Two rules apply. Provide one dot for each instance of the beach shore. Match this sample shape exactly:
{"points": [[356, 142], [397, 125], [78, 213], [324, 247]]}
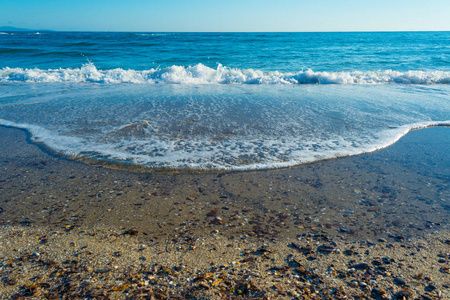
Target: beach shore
{"points": [[373, 225]]}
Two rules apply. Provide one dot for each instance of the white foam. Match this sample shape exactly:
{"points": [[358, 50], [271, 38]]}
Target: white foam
{"points": [[201, 74], [234, 154]]}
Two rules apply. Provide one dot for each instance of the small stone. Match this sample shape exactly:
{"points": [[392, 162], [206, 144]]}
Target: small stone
{"points": [[399, 281], [400, 238], [178, 268], [379, 291], [296, 246], [403, 294], [132, 231], [387, 260], [218, 221], [354, 283], [349, 252], [381, 240], [344, 229], [212, 213], [360, 266], [326, 248], [426, 297]]}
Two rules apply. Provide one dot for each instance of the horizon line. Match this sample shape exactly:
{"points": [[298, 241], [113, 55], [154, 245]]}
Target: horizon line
{"points": [[149, 31]]}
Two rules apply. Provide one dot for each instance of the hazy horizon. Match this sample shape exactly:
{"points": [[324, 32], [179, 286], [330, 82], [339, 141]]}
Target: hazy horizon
{"points": [[356, 31]]}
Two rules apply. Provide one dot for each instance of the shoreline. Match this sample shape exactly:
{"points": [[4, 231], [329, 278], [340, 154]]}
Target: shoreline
{"points": [[394, 196], [136, 168]]}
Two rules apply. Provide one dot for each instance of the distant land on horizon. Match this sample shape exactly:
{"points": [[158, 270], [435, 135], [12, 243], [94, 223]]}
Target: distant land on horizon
{"points": [[11, 28]]}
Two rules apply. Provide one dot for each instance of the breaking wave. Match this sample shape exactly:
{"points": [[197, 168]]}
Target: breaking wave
{"points": [[201, 74]]}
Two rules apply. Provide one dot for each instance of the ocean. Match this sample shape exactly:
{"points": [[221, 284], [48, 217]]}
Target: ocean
{"points": [[222, 101]]}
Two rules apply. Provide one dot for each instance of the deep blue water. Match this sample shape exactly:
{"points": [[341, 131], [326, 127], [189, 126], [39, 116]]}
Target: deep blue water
{"points": [[223, 100], [284, 52]]}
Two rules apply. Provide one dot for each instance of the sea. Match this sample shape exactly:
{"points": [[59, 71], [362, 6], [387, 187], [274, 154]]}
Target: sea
{"points": [[222, 101]]}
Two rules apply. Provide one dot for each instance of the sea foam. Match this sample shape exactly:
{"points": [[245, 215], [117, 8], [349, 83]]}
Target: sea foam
{"points": [[201, 74]]}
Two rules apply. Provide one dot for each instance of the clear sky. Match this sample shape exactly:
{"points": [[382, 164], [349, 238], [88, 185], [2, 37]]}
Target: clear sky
{"points": [[227, 15]]}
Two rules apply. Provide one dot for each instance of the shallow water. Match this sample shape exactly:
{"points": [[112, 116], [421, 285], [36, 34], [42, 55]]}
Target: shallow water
{"points": [[220, 127], [223, 101]]}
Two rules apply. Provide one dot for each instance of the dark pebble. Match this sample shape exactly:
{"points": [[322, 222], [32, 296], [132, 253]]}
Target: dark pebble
{"points": [[178, 268], [296, 246], [377, 263], [430, 287], [387, 260], [399, 281], [360, 266], [403, 294], [400, 238], [326, 248], [348, 252], [378, 291], [132, 231], [442, 260]]}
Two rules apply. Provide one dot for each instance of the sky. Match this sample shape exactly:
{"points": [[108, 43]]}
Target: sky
{"points": [[227, 15]]}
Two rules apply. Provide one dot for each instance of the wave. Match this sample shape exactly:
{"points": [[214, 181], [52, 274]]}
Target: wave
{"points": [[201, 74], [235, 155]]}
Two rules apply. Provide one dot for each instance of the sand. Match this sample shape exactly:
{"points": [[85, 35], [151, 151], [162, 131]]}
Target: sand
{"points": [[89, 230]]}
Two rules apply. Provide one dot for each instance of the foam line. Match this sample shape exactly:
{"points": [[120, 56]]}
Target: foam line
{"points": [[174, 154], [201, 74]]}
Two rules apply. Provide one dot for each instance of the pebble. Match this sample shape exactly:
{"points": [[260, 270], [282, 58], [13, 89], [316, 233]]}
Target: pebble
{"points": [[343, 229], [387, 260], [379, 291], [349, 252], [326, 248], [377, 263], [400, 281], [403, 294], [360, 266]]}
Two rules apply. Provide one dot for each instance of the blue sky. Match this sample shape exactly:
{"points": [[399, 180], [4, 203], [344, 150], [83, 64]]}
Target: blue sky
{"points": [[227, 15]]}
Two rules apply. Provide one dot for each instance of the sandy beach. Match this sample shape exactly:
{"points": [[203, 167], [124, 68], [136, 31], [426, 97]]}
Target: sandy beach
{"points": [[368, 226]]}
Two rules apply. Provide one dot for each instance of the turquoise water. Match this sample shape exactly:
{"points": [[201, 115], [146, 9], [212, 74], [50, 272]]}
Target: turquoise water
{"points": [[223, 100]]}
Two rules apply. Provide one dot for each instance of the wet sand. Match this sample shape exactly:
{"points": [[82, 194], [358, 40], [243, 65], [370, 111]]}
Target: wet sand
{"points": [[276, 233]]}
